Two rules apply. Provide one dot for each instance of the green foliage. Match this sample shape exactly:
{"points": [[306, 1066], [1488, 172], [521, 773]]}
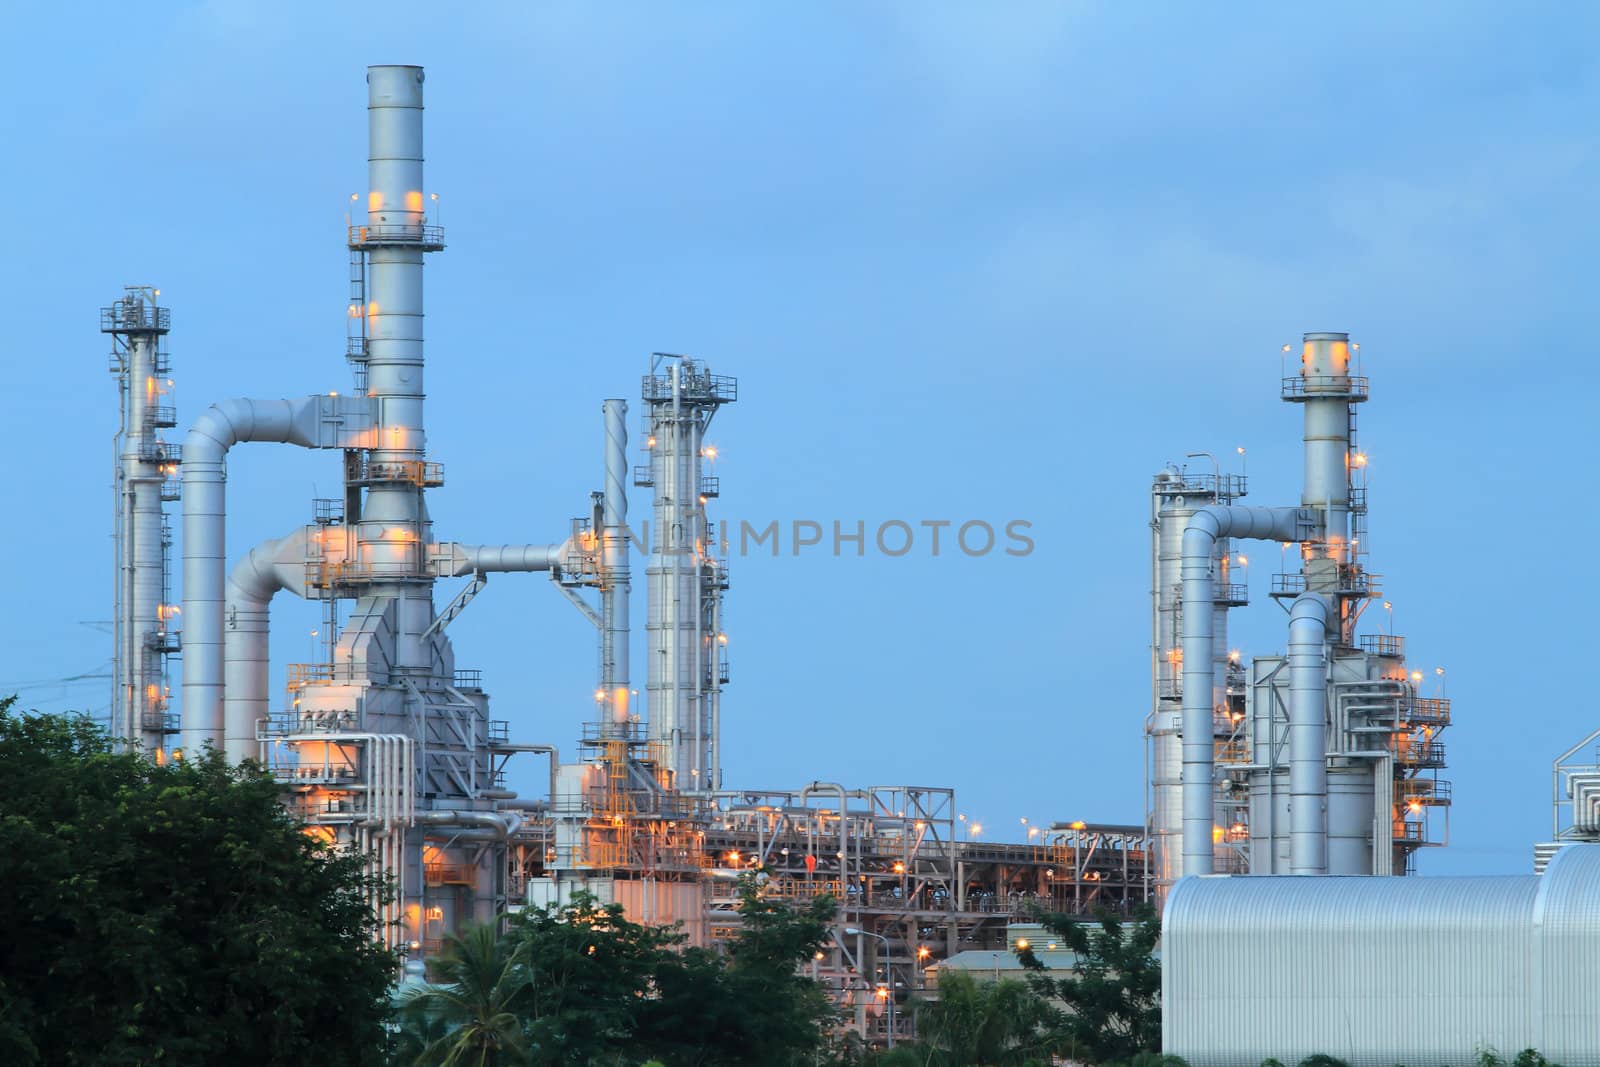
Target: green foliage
{"points": [[589, 971], [1321, 1059], [471, 1015], [974, 1022], [173, 914], [1528, 1057], [579, 984], [1113, 1000]]}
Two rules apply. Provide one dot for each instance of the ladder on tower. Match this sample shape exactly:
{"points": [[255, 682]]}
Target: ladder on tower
{"points": [[356, 335]]}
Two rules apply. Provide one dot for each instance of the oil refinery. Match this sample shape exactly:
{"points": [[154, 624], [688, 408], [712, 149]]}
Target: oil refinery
{"points": [[1321, 758]]}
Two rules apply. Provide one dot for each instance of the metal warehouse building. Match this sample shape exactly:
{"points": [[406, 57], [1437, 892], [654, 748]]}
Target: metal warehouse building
{"points": [[1382, 971]]}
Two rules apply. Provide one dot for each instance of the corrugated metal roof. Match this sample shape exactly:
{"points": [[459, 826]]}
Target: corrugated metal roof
{"points": [[1380, 971]]}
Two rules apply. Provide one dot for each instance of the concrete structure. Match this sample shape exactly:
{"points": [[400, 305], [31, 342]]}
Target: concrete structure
{"points": [[1381, 971]]}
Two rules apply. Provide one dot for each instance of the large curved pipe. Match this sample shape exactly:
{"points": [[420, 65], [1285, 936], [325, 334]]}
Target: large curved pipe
{"points": [[1308, 717], [502, 823], [205, 452], [1200, 537], [264, 570]]}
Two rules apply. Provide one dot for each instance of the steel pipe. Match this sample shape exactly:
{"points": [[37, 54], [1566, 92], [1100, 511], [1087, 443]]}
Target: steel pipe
{"points": [[1310, 619], [205, 452], [614, 575], [269, 567], [1200, 538]]}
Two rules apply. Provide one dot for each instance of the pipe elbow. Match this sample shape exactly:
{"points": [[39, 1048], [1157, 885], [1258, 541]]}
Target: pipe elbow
{"points": [[228, 422], [267, 569], [1310, 609]]}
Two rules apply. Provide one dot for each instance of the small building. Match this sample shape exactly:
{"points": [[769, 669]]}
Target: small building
{"points": [[1381, 971]]}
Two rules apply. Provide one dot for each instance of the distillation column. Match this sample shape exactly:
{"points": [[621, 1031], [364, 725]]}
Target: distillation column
{"points": [[143, 639], [1175, 497], [614, 576], [684, 576]]}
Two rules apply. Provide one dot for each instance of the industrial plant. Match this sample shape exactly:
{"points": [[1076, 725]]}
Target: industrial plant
{"points": [[1322, 759]]}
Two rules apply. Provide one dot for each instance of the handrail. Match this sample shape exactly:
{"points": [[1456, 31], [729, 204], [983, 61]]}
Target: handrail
{"points": [[420, 234], [1315, 386]]}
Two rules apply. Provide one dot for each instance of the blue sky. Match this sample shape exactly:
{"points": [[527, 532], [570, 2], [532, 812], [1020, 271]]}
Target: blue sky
{"points": [[968, 262]]}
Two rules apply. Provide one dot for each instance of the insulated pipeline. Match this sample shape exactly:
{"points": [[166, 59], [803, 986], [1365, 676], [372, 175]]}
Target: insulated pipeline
{"points": [[1200, 538]]}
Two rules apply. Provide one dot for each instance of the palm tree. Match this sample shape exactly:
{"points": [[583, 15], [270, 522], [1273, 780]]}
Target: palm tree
{"points": [[981, 1023], [476, 1003]]}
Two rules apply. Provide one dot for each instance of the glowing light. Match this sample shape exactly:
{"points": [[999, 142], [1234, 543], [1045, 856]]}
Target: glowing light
{"points": [[599, 694], [733, 857], [709, 452], [374, 201], [414, 201], [1022, 944], [722, 639], [650, 442], [1416, 676], [899, 868], [923, 952], [1079, 825]]}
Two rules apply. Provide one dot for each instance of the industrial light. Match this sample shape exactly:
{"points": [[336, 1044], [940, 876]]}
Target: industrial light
{"points": [[1022, 944]]}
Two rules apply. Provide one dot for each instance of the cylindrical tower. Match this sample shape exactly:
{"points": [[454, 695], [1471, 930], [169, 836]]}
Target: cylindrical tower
{"points": [[1328, 392], [684, 575], [393, 524], [614, 575], [1175, 497], [144, 469]]}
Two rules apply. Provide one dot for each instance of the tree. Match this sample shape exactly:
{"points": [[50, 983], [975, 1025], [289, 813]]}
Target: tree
{"points": [[173, 914], [754, 1005], [589, 971], [472, 1014], [982, 1023], [579, 984], [1113, 1000]]}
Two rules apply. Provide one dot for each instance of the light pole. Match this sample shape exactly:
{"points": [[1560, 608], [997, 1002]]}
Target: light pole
{"points": [[888, 974]]}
